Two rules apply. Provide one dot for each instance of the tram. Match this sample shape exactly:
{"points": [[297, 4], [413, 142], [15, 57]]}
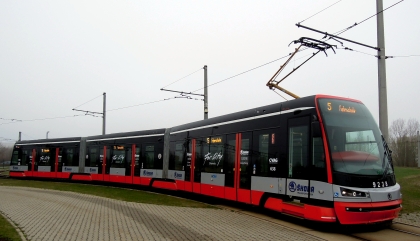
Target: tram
{"points": [[320, 157]]}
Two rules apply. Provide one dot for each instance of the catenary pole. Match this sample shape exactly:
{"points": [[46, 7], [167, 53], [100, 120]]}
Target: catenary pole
{"points": [[418, 149], [383, 99], [206, 107], [104, 115], [20, 135]]}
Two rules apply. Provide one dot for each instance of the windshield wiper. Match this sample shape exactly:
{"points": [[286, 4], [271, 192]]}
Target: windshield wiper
{"points": [[387, 153]]}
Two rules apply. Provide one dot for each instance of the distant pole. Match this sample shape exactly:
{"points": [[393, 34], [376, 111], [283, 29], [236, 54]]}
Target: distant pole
{"points": [[418, 149], [47, 133], [206, 106], [104, 115], [383, 99], [20, 135]]}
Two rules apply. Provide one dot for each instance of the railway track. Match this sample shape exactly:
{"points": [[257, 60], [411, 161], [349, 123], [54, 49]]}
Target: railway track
{"points": [[394, 231]]}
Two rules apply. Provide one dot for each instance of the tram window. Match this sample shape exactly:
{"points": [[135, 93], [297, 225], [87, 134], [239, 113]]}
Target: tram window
{"points": [[179, 154], [199, 160], [45, 157], [149, 157], [318, 171], [15, 158], [262, 158], [118, 156], [69, 156], [245, 168], [362, 141], [137, 162], [264, 153], [229, 164], [213, 154], [298, 151], [93, 157], [26, 157]]}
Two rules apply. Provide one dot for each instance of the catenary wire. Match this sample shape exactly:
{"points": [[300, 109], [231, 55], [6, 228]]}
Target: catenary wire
{"points": [[320, 11], [356, 24], [182, 78], [48, 118], [88, 101], [244, 72]]}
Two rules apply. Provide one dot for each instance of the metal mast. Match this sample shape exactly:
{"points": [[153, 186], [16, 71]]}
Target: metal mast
{"points": [[383, 99], [206, 96], [104, 115]]}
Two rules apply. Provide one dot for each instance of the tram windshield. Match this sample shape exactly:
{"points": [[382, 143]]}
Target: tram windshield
{"points": [[354, 139]]}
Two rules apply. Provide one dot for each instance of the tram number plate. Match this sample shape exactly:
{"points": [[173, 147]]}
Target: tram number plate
{"points": [[380, 184]]}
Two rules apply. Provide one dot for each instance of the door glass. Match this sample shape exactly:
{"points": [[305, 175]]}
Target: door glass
{"points": [[298, 151], [213, 154], [128, 158], [118, 157], [199, 159], [230, 150], [245, 168], [319, 169], [149, 157], [137, 162]]}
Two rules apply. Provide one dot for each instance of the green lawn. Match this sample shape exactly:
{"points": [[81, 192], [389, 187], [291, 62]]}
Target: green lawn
{"points": [[7, 231], [409, 179], [130, 195]]}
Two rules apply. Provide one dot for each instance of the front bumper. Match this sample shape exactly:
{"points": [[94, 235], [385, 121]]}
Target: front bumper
{"points": [[365, 213]]}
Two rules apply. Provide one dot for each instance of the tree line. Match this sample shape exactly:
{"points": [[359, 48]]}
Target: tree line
{"points": [[403, 142], [5, 152]]}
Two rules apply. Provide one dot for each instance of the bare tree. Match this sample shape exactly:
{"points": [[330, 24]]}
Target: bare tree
{"points": [[403, 141]]}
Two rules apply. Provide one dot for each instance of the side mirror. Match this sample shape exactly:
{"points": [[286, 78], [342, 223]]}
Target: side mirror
{"points": [[316, 129]]}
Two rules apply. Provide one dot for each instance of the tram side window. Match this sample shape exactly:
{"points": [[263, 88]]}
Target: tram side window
{"points": [[319, 169], [70, 157], [149, 157], [16, 158], [179, 154], [262, 158], [45, 157], [93, 157], [137, 162], [298, 151], [213, 154], [26, 157], [265, 154], [118, 157]]}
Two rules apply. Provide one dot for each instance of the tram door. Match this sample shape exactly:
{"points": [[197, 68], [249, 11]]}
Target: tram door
{"points": [[231, 166], [244, 170], [187, 164], [298, 158], [196, 164]]}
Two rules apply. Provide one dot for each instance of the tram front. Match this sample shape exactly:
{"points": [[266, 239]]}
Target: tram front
{"points": [[361, 170]]}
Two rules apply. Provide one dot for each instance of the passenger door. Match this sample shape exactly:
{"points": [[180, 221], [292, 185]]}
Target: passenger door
{"points": [[298, 157]]}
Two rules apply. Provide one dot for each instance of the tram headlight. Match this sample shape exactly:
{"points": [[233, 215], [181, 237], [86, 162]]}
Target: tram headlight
{"points": [[352, 193]]}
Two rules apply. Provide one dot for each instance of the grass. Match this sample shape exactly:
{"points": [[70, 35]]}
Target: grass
{"points": [[123, 194], [409, 179], [7, 231]]}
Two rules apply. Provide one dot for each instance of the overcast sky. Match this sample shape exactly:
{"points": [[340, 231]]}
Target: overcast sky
{"points": [[57, 55]]}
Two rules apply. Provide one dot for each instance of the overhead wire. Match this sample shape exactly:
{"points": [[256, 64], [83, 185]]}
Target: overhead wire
{"points": [[320, 11], [41, 119], [244, 72], [89, 101], [183, 77], [357, 24]]}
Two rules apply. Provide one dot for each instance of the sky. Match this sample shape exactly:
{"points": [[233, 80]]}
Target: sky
{"points": [[58, 55]]}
